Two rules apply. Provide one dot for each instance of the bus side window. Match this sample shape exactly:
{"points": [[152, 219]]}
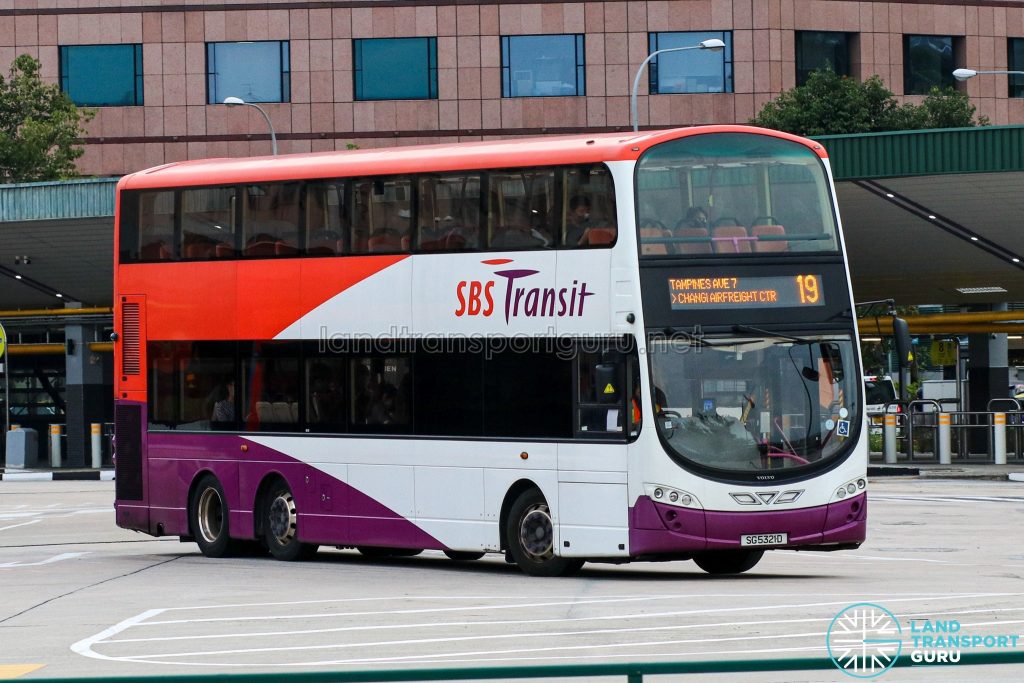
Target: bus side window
{"points": [[327, 219], [601, 394]]}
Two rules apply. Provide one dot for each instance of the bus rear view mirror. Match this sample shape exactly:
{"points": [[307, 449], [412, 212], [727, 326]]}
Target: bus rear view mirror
{"points": [[606, 375]]}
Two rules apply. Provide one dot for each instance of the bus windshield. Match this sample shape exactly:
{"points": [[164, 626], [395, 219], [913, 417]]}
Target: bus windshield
{"points": [[753, 403], [733, 193]]}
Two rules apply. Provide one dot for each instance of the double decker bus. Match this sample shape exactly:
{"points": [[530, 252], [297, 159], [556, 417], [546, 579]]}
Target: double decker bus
{"points": [[605, 348]]}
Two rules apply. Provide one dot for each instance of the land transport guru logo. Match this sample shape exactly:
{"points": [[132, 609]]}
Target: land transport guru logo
{"points": [[518, 299], [865, 640]]}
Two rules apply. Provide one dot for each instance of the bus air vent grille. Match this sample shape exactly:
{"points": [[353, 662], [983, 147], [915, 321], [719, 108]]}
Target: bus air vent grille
{"points": [[128, 444], [131, 345]]}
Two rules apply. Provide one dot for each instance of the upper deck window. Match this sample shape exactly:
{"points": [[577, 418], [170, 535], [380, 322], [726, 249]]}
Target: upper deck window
{"points": [[395, 68], [102, 75], [542, 66], [690, 71], [733, 193], [253, 71]]}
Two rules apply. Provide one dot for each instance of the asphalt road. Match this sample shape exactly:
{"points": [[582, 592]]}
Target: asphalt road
{"points": [[80, 597]]}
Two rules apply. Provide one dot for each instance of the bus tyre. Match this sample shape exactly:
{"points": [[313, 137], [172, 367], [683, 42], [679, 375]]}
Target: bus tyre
{"points": [[728, 561], [208, 517], [530, 535], [280, 525], [463, 555]]}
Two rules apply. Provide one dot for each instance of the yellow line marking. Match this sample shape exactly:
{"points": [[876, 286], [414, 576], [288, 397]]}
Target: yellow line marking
{"points": [[9, 671]]}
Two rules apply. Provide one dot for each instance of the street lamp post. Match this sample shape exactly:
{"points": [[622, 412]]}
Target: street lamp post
{"points": [[964, 74], [713, 44], [236, 101]]}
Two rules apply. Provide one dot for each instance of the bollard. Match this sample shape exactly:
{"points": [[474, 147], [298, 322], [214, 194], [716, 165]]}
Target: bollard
{"points": [[889, 438], [97, 445], [54, 445], [945, 440], [999, 437]]}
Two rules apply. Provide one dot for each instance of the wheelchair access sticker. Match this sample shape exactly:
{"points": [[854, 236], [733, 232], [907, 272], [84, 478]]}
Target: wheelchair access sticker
{"points": [[844, 428]]}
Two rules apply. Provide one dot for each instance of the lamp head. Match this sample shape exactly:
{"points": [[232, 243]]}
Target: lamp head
{"points": [[233, 101], [712, 44], [964, 74]]}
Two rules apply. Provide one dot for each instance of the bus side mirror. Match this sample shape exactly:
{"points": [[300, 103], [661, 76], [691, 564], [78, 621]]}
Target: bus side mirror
{"points": [[606, 376], [904, 347]]}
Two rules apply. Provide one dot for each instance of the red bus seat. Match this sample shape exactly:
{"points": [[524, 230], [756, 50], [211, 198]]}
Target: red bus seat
{"points": [[730, 239], [598, 236], [696, 247], [769, 245], [656, 248], [384, 242]]}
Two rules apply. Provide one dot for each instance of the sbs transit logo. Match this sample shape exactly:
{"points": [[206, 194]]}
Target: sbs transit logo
{"points": [[518, 299]]}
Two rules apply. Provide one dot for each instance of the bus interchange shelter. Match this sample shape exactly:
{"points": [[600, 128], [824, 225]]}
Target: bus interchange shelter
{"points": [[930, 217]]}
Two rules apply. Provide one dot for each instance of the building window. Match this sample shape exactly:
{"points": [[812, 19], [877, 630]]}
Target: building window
{"points": [[395, 68], [690, 71], [102, 75], [1015, 62], [821, 50], [253, 71], [542, 66], [927, 63]]}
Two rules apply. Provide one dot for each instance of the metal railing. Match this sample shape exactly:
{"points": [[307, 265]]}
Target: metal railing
{"points": [[973, 436], [633, 672]]}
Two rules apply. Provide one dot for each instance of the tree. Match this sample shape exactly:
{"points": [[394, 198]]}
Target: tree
{"points": [[829, 104], [40, 126]]}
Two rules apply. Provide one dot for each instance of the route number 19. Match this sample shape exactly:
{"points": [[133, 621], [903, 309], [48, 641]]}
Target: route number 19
{"points": [[810, 293]]}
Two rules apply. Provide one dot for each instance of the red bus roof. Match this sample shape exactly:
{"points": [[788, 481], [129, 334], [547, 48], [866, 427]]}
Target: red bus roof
{"points": [[461, 156]]}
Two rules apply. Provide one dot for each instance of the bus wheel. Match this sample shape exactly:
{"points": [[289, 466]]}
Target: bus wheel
{"points": [[376, 551], [530, 535], [463, 555], [208, 517], [280, 525], [728, 561]]}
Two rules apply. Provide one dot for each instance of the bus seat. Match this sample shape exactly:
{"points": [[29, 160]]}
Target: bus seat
{"points": [[656, 248], [384, 242], [224, 250], [730, 239], [199, 250], [599, 236], [281, 411], [264, 411], [285, 249], [697, 246], [260, 245], [769, 245], [294, 408], [155, 251], [406, 242]]}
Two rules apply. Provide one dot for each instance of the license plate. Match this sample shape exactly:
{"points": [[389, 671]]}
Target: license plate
{"points": [[764, 539]]}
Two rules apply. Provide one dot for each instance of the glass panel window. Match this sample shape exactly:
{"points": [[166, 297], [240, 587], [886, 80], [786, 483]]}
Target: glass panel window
{"points": [[156, 226], [589, 207], [690, 71], [270, 379], [448, 212], [270, 219], [821, 50], [542, 66], [927, 62], [102, 75], [208, 223], [327, 218], [527, 391], [253, 71], [521, 209], [733, 193], [192, 386], [383, 214], [381, 393], [395, 68], [1015, 62], [325, 393], [755, 403]]}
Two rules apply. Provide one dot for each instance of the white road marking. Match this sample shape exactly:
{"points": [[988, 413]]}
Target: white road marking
{"points": [[15, 526], [49, 560], [108, 637]]}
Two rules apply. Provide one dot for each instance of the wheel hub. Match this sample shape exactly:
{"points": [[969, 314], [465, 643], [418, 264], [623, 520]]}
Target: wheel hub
{"points": [[281, 518], [536, 534], [211, 515]]}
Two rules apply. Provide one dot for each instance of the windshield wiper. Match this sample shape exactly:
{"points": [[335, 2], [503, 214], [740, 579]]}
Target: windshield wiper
{"points": [[747, 329]]}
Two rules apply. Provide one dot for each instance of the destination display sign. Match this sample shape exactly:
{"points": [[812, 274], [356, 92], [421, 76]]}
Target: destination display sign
{"points": [[776, 291]]}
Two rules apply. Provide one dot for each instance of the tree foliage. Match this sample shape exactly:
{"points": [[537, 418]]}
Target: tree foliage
{"points": [[40, 126], [829, 104]]}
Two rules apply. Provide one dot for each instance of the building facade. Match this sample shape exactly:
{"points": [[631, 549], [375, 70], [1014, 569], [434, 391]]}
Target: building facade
{"points": [[388, 72]]}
